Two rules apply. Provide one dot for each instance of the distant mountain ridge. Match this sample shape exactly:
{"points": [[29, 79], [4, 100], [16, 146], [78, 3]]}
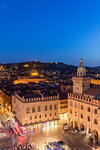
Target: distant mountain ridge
{"points": [[53, 66]]}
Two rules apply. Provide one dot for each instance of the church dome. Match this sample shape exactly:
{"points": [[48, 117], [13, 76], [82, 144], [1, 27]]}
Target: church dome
{"points": [[81, 71], [81, 68]]}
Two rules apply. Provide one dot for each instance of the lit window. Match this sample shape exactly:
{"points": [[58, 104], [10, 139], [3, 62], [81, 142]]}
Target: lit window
{"points": [[30, 118], [25, 119], [75, 113], [28, 111], [76, 105]]}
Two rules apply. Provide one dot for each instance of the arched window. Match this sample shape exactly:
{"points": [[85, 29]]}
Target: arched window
{"points": [[81, 106], [33, 110], [70, 111], [81, 115], [95, 111], [55, 106], [27, 110], [71, 103], [38, 109], [50, 107], [75, 113], [88, 118], [45, 108], [88, 109], [76, 105]]}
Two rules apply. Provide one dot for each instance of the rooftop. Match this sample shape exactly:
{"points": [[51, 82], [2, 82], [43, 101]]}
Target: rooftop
{"points": [[93, 91]]}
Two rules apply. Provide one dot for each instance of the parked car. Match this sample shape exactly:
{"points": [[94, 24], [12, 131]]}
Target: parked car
{"points": [[73, 131], [66, 126]]}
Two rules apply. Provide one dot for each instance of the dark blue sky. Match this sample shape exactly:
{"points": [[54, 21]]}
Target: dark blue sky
{"points": [[50, 30]]}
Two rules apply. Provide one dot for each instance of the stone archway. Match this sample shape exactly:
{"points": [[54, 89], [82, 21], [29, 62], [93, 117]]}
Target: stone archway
{"points": [[82, 127], [95, 135], [71, 123], [88, 130], [76, 124]]}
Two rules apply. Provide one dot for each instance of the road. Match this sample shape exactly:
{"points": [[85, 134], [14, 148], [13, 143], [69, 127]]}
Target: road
{"points": [[42, 136]]}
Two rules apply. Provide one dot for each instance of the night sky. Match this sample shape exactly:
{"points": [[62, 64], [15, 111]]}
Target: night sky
{"points": [[50, 31]]}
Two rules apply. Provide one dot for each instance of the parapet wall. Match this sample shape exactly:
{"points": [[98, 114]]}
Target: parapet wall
{"points": [[84, 99], [35, 99]]}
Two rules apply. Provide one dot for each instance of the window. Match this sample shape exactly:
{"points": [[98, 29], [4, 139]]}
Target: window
{"points": [[55, 114], [76, 105], [28, 111], [95, 121], [45, 108], [81, 106], [50, 114], [33, 110], [88, 118], [30, 118], [35, 117], [38, 109], [81, 115], [45, 115], [25, 119], [75, 113], [71, 103], [50, 107], [88, 109], [95, 111], [40, 116], [70, 111], [55, 107]]}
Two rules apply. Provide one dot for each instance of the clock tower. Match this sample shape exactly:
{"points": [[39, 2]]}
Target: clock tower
{"points": [[81, 82]]}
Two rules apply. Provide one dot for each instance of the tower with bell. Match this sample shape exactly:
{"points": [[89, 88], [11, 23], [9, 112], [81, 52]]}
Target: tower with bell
{"points": [[81, 71], [81, 82]]}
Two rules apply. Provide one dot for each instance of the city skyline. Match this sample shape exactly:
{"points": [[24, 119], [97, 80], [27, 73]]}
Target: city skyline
{"points": [[49, 74], [58, 31]]}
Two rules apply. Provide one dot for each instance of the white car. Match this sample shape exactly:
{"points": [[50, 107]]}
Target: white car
{"points": [[75, 131], [66, 127]]}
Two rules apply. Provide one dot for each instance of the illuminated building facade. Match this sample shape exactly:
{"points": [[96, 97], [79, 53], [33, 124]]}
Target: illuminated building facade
{"points": [[36, 111], [65, 88], [63, 109], [27, 80], [5, 100], [84, 104]]}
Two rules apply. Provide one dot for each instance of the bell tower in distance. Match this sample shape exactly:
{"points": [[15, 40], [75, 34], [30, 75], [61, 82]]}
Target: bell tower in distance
{"points": [[81, 82]]}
